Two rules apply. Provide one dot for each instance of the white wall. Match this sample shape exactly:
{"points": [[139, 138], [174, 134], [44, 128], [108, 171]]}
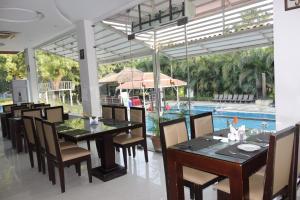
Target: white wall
{"points": [[287, 65]]}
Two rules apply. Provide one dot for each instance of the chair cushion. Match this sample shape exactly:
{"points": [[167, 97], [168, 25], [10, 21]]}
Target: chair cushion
{"points": [[126, 139], [256, 186], [197, 176], [73, 153], [66, 145]]}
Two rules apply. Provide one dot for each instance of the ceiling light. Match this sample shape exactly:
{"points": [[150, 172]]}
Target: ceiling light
{"points": [[19, 15]]}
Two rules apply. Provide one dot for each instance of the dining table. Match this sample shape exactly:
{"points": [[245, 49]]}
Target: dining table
{"points": [[80, 129], [216, 154]]}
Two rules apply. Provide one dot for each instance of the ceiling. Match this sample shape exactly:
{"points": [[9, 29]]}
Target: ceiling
{"points": [[38, 21]]}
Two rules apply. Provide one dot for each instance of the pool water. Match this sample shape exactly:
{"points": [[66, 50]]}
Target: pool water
{"points": [[253, 120]]}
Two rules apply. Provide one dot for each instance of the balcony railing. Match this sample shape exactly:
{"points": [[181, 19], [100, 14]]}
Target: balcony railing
{"points": [[60, 86]]}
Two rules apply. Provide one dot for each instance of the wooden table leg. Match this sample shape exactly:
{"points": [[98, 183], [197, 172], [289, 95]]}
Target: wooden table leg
{"points": [[109, 169], [174, 179], [239, 186]]}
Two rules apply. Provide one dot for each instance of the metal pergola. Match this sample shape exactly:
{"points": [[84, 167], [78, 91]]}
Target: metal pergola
{"points": [[219, 29]]}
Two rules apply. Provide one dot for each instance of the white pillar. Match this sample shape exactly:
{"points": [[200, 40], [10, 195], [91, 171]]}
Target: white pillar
{"points": [[88, 68], [31, 75], [287, 62]]}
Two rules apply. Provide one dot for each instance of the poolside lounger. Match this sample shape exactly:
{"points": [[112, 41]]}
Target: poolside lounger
{"points": [[234, 98], [250, 99], [221, 98], [229, 98], [216, 97], [245, 98], [225, 97], [240, 98]]}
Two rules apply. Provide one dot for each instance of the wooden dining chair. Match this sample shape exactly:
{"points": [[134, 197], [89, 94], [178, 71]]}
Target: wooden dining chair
{"points": [[32, 113], [201, 124], [280, 176], [29, 105], [7, 108], [120, 114], [32, 140], [17, 110], [107, 112], [62, 158], [54, 114], [174, 132], [136, 137], [41, 144]]}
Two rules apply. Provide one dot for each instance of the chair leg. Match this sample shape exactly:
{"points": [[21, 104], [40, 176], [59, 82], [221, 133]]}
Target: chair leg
{"points": [[192, 191], [78, 168], [133, 151], [43, 164], [52, 169], [129, 151], [62, 177], [145, 151], [198, 192], [88, 145], [39, 161], [222, 195], [49, 169], [89, 168], [31, 157], [125, 156]]}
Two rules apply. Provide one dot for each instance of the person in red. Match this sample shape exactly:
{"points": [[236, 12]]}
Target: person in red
{"points": [[167, 107]]}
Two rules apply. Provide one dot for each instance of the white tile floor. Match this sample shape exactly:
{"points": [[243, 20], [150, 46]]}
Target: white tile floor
{"points": [[143, 181]]}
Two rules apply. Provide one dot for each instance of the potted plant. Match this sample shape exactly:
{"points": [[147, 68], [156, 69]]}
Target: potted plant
{"points": [[156, 134]]}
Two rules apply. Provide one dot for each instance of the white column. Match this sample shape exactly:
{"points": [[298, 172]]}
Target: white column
{"points": [[88, 68], [31, 75], [287, 65]]}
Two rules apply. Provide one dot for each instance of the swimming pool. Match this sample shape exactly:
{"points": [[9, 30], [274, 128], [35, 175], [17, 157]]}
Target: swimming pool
{"points": [[251, 120]]}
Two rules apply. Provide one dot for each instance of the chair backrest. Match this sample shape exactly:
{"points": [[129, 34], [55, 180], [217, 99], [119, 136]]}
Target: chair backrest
{"points": [[107, 112], [120, 113], [235, 96], [7, 108], [54, 114], [51, 140], [171, 133], [17, 110], [251, 97], [32, 113], [201, 124], [28, 104], [138, 115], [221, 96], [246, 96], [40, 132], [280, 167], [216, 96], [240, 97], [29, 129], [229, 97], [37, 105]]}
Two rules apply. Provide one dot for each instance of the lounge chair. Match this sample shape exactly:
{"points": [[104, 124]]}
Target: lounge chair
{"points": [[225, 97], [250, 99], [229, 98], [245, 98], [216, 97], [221, 97], [240, 98], [234, 98]]}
